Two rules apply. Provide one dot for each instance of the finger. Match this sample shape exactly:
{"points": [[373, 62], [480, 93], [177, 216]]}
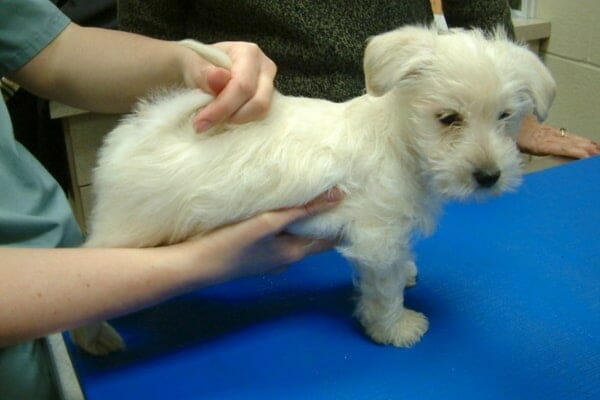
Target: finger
{"points": [[293, 248], [562, 148], [569, 145], [574, 152], [260, 103], [227, 102], [245, 73], [217, 79], [585, 145], [247, 96], [256, 107]]}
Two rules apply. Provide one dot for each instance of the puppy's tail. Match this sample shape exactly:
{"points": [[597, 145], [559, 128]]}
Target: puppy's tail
{"points": [[209, 53], [166, 108], [169, 107]]}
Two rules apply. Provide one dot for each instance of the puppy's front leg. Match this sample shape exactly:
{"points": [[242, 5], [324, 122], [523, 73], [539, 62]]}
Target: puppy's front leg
{"points": [[382, 277], [381, 306]]}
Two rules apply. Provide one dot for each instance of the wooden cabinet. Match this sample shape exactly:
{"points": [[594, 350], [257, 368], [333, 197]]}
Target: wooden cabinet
{"points": [[84, 132]]}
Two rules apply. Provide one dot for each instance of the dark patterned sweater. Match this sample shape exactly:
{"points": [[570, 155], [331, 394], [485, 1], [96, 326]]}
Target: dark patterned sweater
{"points": [[317, 45]]}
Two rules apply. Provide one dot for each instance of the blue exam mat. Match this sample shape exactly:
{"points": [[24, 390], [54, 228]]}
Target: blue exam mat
{"points": [[511, 288]]}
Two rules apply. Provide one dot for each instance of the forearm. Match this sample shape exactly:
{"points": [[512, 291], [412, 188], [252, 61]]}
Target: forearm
{"points": [[108, 71], [46, 290], [101, 70]]}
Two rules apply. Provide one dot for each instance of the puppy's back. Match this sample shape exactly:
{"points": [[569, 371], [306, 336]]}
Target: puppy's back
{"points": [[158, 181]]}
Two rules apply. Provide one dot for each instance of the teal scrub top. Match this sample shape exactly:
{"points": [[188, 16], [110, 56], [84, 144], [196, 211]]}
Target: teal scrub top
{"points": [[34, 211]]}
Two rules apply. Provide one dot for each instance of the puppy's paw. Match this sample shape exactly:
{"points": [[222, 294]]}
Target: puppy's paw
{"points": [[411, 274], [405, 332], [98, 339]]}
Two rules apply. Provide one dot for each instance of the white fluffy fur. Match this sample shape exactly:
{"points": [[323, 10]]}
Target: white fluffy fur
{"points": [[159, 182]]}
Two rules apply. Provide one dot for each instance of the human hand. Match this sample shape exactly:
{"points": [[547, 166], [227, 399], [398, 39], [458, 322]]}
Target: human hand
{"points": [[542, 139], [243, 93], [257, 245]]}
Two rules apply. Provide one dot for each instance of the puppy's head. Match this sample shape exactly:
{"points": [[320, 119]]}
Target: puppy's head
{"points": [[463, 94]]}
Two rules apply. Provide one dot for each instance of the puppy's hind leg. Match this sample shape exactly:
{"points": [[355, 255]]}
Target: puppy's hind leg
{"points": [[411, 273], [97, 339]]}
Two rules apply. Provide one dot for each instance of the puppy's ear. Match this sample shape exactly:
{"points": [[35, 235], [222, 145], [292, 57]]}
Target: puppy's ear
{"points": [[526, 68], [542, 87], [396, 56]]}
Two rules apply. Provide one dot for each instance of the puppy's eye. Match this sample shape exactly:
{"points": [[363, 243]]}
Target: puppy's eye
{"points": [[504, 115], [453, 119]]}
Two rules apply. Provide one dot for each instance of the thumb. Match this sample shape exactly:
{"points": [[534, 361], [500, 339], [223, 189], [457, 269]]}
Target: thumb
{"points": [[274, 222]]}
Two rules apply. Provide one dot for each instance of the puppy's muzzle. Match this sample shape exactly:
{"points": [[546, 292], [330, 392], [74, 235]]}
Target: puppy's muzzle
{"points": [[485, 178]]}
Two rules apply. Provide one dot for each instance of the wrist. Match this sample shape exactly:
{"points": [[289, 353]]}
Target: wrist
{"points": [[189, 264]]}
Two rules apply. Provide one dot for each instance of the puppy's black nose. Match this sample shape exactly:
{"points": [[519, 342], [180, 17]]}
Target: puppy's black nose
{"points": [[486, 178]]}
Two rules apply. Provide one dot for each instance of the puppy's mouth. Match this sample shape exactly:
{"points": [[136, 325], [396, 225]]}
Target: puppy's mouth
{"points": [[481, 186], [476, 183], [493, 182]]}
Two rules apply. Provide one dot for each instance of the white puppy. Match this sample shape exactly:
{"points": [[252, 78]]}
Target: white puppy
{"points": [[438, 121]]}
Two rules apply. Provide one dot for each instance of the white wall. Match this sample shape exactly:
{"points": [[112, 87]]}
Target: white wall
{"points": [[573, 56]]}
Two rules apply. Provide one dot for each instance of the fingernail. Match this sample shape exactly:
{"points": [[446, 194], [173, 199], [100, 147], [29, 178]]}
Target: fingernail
{"points": [[203, 125], [334, 195]]}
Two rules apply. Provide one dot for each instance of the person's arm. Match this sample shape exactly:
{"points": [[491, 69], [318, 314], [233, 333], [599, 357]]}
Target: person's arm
{"points": [[107, 71], [48, 290]]}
